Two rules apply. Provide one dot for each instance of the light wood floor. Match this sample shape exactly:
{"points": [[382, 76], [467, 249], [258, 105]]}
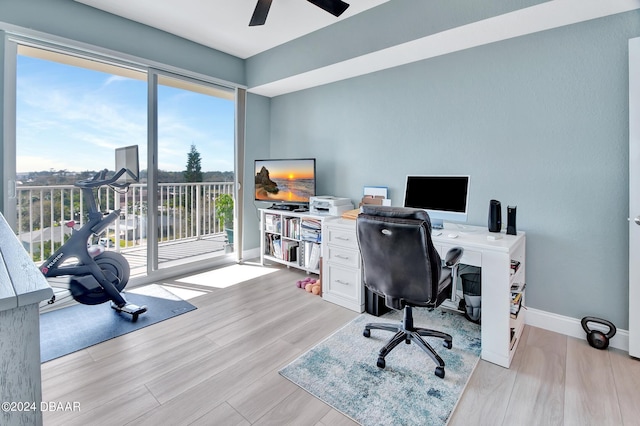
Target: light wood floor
{"points": [[218, 365]]}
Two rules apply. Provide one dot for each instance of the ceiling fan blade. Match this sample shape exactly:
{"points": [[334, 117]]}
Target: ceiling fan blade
{"points": [[260, 13], [334, 7]]}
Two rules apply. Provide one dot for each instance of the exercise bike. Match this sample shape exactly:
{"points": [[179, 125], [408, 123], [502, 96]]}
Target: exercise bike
{"points": [[96, 276]]}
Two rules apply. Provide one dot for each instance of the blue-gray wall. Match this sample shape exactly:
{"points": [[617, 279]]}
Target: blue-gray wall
{"points": [[256, 147], [539, 121]]}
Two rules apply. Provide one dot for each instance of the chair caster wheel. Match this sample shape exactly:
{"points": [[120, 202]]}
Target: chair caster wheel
{"points": [[366, 333], [440, 372], [447, 344], [381, 363]]}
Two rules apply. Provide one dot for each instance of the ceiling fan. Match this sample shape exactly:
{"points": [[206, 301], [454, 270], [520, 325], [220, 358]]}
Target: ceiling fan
{"points": [[334, 7]]}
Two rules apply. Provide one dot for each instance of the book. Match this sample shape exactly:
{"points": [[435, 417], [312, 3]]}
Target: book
{"points": [[277, 248], [314, 257], [289, 250], [516, 298], [291, 227], [517, 287], [272, 223], [310, 230], [515, 309], [515, 265]]}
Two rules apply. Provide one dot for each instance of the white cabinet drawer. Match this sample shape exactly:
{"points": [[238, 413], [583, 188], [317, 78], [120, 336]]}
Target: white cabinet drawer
{"points": [[340, 237], [342, 256], [342, 282]]}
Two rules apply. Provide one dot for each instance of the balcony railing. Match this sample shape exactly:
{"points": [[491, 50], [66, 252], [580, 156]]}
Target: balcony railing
{"points": [[186, 211]]}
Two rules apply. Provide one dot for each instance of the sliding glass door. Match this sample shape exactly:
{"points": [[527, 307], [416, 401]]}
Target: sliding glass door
{"points": [[72, 113], [195, 170], [73, 110]]}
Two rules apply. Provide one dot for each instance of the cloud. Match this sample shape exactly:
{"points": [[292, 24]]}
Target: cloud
{"points": [[75, 120], [115, 79]]}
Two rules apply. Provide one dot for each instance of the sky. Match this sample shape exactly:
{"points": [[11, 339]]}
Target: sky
{"points": [[288, 169], [71, 118]]}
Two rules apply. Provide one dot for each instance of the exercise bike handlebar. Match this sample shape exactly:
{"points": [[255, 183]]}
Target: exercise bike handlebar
{"points": [[100, 179]]}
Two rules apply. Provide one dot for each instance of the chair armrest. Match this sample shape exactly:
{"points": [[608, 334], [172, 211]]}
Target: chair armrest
{"points": [[453, 257]]}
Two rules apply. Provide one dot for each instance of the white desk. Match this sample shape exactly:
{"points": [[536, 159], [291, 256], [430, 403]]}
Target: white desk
{"points": [[493, 257]]}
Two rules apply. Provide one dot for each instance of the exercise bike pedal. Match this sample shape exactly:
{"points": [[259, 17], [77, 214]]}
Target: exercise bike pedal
{"points": [[131, 309]]}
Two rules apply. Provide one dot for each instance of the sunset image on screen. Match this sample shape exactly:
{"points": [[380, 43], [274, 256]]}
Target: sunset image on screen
{"points": [[285, 180]]}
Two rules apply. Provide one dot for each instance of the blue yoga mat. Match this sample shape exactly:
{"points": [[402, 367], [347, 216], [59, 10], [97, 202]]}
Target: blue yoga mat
{"points": [[77, 327]]}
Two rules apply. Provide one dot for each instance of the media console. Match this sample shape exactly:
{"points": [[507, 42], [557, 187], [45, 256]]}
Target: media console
{"points": [[500, 333]]}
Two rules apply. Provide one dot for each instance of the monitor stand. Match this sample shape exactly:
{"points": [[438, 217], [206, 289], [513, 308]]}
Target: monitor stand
{"points": [[465, 229], [437, 223]]}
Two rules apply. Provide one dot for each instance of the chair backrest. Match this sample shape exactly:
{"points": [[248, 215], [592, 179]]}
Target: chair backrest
{"points": [[398, 256]]}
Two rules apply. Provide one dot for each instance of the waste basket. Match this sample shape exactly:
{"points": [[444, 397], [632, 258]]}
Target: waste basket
{"points": [[471, 290]]}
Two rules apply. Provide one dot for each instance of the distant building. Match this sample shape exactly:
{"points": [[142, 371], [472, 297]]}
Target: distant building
{"points": [[32, 241]]}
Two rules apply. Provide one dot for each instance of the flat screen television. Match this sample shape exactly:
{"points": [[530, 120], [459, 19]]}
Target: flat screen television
{"points": [[285, 181], [443, 197]]}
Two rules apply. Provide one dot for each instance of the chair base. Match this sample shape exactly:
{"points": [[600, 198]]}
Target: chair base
{"points": [[406, 332]]}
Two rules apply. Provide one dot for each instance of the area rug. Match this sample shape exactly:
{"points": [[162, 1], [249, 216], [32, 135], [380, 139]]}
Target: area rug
{"points": [[77, 327], [342, 371]]}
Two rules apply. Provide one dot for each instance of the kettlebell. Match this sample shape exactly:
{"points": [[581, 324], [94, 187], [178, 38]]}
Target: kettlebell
{"points": [[596, 338]]}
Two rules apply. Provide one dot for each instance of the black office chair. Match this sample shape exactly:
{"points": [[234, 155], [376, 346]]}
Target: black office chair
{"points": [[401, 264]]}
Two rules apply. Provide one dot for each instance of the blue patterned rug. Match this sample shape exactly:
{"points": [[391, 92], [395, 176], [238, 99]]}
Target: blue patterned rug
{"points": [[342, 371]]}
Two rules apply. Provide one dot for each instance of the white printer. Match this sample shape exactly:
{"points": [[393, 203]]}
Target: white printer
{"points": [[326, 204]]}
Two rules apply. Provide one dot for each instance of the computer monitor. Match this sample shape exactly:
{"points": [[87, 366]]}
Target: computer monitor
{"points": [[127, 158], [443, 197]]}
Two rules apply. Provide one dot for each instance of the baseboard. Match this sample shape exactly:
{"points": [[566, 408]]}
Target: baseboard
{"points": [[251, 253], [572, 327]]}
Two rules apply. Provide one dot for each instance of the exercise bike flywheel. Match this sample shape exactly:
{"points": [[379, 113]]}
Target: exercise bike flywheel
{"points": [[86, 289]]}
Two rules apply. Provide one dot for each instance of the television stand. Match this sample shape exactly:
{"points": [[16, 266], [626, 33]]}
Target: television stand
{"points": [[291, 238]]}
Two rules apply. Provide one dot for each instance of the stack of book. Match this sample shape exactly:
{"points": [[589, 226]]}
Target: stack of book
{"points": [[515, 265], [289, 250], [272, 223], [291, 227], [517, 290], [273, 245], [311, 230]]}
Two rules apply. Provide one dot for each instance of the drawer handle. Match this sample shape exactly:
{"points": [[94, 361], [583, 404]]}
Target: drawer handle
{"points": [[343, 238], [342, 282], [340, 256]]}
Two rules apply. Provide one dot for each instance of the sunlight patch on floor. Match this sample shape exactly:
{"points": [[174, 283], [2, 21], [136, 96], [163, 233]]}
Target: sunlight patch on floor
{"points": [[227, 276], [156, 290], [174, 292], [183, 293]]}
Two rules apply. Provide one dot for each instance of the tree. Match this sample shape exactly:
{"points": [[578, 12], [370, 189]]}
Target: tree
{"points": [[194, 169]]}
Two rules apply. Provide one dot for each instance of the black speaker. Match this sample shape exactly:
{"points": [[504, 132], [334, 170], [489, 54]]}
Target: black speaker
{"points": [[511, 220], [495, 216]]}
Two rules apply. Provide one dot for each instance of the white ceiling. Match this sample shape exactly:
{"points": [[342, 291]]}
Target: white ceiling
{"points": [[224, 24]]}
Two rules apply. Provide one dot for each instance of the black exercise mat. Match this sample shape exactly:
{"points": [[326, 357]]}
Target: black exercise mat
{"points": [[77, 327]]}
